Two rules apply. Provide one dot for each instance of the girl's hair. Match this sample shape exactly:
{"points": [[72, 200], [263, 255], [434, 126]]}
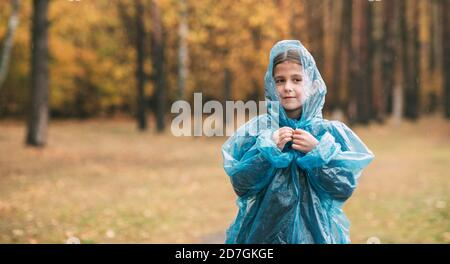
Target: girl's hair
{"points": [[288, 55]]}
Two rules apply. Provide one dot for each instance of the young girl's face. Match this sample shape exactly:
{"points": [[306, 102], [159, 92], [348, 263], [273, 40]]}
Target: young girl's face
{"points": [[288, 80]]}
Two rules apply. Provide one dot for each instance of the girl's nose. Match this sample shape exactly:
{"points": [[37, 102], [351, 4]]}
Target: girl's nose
{"points": [[288, 87]]}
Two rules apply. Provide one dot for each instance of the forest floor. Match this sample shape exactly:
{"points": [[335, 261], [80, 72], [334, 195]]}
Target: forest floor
{"points": [[102, 181]]}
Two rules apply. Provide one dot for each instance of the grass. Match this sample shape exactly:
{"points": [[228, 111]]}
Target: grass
{"points": [[403, 195], [104, 182]]}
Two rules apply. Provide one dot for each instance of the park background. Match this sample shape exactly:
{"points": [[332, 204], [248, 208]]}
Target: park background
{"points": [[86, 151]]}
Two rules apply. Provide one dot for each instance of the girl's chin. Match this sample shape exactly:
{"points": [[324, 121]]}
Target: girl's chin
{"points": [[289, 107], [291, 110]]}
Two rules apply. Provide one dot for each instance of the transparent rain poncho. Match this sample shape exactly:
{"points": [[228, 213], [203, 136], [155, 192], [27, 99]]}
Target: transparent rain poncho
{"points": [[288, 196]]}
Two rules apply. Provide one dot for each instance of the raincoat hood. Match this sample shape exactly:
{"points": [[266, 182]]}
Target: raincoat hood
{"points": [[314, 88]]}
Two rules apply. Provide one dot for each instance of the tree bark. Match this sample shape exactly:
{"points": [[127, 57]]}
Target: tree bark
{"points": [[340, 29], [140, 57], [9, 41], [371, 57], [38, 110], [388, 68], [411, 60], [376, 62], [183, 30], [256, 41], [360, 99], [346, 54], [158, 65], [446, 51], [397, 92], [315, 30]]}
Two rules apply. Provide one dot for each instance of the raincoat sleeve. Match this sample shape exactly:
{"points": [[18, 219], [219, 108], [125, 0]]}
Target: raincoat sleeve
{"points": [[335, 164], [251, 161]]}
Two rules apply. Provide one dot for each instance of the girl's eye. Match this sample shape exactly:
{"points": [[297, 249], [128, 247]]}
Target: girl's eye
{"points": [[297, 80], [279, 81]]}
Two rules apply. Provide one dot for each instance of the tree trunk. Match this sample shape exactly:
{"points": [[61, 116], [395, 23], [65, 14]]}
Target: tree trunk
{"points": [[411, 61], [360, 99], [227, 96], [38, 110], [388, 64], [337, 56], [371, 57], [140, 74], [158, 65], [182, 50], [426, 95], [328, 42], [227, 84], [314, 11], [9, 41], [436, 62], [401, 70], [346, 55], [256, 41], [376, 62], [446, 50]]}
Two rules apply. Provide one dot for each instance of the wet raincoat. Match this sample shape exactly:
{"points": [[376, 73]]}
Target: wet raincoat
{"points": [[288, 196]]}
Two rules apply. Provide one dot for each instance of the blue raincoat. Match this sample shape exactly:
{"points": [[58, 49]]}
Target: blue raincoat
{"points": [[288, 196]]}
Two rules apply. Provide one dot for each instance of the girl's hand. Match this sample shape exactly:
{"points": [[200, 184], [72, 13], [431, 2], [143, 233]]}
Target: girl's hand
{"points": [[282, 136], [303, 141]]}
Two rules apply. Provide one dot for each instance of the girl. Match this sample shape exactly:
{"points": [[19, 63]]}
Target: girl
{"points": [[292, 181]]}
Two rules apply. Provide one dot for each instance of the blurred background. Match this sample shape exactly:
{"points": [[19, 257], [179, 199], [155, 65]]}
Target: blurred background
{"points": [[86, 152]]}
